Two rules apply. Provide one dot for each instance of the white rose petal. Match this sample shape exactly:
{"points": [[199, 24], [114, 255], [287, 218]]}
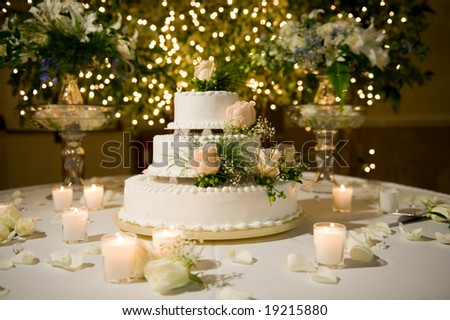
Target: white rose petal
{"points": [[144, 254], [39, 203], [380, 229], [299, 263], [442, 238], [411, 235], [5, 263], [25, 257], [165, 275], [229, 293], [324, 275], [92, 251], [17, 201], [241, 256], [16, 194], [62, 259], [361, 253]]}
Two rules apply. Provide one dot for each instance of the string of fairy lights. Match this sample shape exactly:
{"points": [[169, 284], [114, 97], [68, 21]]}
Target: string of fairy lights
{"points": [[185, 36]]}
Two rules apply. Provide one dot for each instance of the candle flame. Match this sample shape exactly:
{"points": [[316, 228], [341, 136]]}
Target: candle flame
{"points": [[342, 187], [119, 238], [61, 188]]}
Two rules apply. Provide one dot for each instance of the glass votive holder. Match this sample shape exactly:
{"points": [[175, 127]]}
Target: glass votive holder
{"points": [[329, 242], [164, 237], [62, 197], [93, 196], [342, 198], [388, 198], [74, 223], [118, 252]]}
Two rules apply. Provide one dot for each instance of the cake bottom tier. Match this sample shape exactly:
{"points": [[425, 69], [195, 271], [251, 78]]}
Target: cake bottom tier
{"points": [[149, 202]]}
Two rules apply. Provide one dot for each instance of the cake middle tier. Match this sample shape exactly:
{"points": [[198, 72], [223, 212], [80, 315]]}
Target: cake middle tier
{"points": [[171, 153]]}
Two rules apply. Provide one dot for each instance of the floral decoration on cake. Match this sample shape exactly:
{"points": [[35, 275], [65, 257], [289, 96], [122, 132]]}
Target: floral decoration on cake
{"points": [[228, 77]]}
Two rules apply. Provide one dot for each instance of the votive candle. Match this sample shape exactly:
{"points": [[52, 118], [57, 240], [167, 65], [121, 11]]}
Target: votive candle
{"points": [[93, 196], [388, 200], [62, 197], [329, 241], [342, 198], [164, 237], [118, 252], [74, 224]]}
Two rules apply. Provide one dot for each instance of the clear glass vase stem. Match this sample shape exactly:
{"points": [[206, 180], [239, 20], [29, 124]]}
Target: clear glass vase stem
{"points": [[73, 160], [323, 180]]}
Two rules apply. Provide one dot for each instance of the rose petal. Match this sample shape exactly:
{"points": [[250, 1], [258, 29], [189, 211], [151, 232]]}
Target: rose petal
{"points": [[355, 239], [4, 292], [380, 229], [411, 235], [324, 275], [62, 259], [25, 257], [16, 194], [144, 254], [300, 263], [39, 203], [17, 201], [241, 256], [5, 263], [229, 293], [92, 251], [442, 238], [360, 253]]}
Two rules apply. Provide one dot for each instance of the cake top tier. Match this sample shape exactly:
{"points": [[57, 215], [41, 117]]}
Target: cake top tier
{"points": [[201, 110]]}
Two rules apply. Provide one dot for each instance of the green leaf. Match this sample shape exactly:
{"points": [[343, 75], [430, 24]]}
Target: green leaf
{"points": [[339, 74]]}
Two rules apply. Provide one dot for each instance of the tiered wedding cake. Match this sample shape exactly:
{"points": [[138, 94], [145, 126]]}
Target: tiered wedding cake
{"points": [[190, 183]]}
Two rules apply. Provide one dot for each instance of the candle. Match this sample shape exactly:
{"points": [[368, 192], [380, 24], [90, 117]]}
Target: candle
{"points": [[74, 224], [93, 196], [62, 197], [118, 252], [388, 200], [329, 240], [342, 198], [164, 237]]}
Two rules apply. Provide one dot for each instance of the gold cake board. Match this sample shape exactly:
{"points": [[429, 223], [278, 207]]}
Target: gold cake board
{"points": [[219, 235]]}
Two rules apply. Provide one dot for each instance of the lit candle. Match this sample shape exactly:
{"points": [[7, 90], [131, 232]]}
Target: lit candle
{"points": [[342, 198], [74, 224], [62, 197], [164, 237], [329, 240], [118, 252], [93, 196], [388, 200]]}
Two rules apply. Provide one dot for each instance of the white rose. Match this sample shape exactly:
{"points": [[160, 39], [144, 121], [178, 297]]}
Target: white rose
{"points": [[9, 216], [124, 49], [241, 114], [206, 160], [443, 210], [268, 162], [25, 226], [165, 275], [204, 70], [5, 234]]}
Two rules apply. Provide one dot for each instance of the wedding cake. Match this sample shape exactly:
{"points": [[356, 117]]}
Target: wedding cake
{"points": [[212, 182]]}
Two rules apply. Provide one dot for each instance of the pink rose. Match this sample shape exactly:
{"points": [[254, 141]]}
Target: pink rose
{"points": [[206, 160], [241, 114]]}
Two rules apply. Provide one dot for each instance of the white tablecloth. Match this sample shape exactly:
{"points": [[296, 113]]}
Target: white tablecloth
{"points": [[405, 270]]}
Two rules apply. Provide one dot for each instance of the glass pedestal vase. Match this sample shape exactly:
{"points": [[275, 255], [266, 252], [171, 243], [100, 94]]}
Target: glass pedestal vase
{"points": [[72, 122], [325, 121]]}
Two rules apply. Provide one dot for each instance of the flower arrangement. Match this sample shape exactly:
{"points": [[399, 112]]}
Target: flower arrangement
{"points": [[13, 224], [229, 77], [62, 37], [237, 156], [338, 48]]}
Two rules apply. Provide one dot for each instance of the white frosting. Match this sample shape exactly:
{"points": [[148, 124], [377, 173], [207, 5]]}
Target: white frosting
{"points": [[150, 202], [201, 110]]}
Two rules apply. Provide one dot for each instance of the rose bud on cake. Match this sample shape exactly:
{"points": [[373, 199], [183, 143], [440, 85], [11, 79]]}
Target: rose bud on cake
{"points": [[206, 160], [241, 114], [267, 165], [204, 70]]}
